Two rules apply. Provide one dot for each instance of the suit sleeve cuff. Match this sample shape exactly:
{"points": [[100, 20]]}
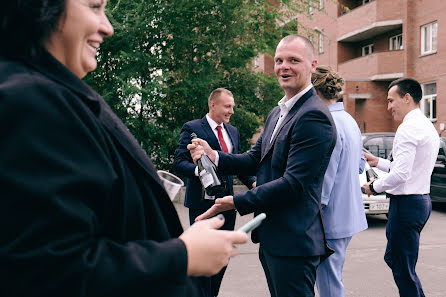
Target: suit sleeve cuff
{"points": [[196, 171], [238, 207]]}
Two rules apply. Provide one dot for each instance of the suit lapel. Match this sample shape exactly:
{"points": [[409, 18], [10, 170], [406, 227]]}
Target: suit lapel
{"points": [[211, 139], [288, 118], [269, 128]]}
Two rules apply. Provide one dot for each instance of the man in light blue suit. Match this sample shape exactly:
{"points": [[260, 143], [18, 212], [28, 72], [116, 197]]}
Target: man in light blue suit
{"points": [[342, 207]]}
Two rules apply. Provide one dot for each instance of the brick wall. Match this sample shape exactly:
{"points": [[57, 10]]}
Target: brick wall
{"points": [[432, 67], [370, 113]]}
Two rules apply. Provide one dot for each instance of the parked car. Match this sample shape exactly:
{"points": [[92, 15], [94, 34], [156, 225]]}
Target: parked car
{"points": [[378, 143], [438, 178]]}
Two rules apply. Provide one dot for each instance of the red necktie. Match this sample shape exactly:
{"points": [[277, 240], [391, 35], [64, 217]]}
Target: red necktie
{"points": [[224, 148]]}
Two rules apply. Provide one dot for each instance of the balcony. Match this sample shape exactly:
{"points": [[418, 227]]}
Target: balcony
{"points": [[369, 20], [382, 66]]}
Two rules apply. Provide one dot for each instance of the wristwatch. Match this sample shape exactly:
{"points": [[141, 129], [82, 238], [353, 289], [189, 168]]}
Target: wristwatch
{"points": [[372, 189]]}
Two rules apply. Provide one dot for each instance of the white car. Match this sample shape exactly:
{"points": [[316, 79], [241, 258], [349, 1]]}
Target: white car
{"points": [[378, 204], [379, 144]]}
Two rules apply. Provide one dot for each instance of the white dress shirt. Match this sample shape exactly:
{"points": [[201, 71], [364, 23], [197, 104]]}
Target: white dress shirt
{"points": [[415, 150], [228, 141], [214, 125], [285, 107]]}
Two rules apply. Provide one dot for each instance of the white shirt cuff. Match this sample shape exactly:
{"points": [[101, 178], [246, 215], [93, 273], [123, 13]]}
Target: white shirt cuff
{"points": [[377, 186], [217, 157], [196, 171]]}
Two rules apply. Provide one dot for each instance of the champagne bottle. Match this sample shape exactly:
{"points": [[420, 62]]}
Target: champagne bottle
{"points": [[207, 173], [370, 173]]}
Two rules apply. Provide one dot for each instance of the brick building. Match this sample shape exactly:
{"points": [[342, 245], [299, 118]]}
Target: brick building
{"points": [[372, 42]]}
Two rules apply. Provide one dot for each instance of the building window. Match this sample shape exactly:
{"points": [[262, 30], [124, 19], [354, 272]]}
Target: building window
{"points": [[367, 50], [396, 42], [256, 61], [429, 38], [428, 102], [321, 4], [321, 43]]}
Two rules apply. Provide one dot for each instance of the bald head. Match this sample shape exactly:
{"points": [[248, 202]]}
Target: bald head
{"points": [[308, 45]]}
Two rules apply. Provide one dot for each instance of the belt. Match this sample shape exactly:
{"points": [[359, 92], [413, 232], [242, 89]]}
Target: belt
{"points": [[405, 196]]}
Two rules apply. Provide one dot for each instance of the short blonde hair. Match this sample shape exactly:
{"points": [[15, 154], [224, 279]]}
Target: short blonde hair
{"points": [[327, 82], [215, 93], [307, 42]]}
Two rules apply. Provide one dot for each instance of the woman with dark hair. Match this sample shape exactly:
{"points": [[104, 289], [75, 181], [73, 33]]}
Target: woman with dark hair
{"points": [[83, 212], [342, 207]]}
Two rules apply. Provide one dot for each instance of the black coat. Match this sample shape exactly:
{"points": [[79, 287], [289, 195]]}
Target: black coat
{"points": [[83, 212]]}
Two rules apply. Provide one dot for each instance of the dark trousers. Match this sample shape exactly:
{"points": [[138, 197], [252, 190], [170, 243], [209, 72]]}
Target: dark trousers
{"points": [[289, 276], [211, 285], [407, 216]]}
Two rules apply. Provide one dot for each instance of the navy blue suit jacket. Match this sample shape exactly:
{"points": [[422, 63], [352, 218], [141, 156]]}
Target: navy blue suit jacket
{"points": [[290, 171], [184, 165]]}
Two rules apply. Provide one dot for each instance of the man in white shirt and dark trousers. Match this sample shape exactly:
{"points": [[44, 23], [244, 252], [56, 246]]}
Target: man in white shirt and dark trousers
{"points": [[415, 150]]}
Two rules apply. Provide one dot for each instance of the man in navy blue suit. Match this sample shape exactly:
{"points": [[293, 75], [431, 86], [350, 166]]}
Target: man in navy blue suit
{"points": [[213, 127], [290, 159]]}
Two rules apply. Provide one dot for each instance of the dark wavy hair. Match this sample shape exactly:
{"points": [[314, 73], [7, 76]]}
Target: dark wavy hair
{"points": [[26, 24]]}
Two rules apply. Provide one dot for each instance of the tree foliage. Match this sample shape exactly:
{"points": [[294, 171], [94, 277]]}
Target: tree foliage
{"points": [[165, 57]]}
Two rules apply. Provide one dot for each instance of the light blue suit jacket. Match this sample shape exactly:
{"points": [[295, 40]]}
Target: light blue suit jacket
{"points": [[342, 206]]}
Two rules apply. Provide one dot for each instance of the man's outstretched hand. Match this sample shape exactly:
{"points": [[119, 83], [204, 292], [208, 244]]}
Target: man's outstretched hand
{"points": [[220, 205]]}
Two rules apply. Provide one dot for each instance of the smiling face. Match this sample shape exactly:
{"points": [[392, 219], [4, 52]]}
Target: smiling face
{"points": [[221, 108], [81, 31], [293, 65], [397, 105]]}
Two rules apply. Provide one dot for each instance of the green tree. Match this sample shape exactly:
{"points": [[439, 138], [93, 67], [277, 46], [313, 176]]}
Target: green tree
{"points": [[167, 56]]}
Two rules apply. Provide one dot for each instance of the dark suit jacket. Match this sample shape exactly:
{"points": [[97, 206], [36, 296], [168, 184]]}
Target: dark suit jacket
{"points": [[290, 172], [83, 212], [184, 165]]}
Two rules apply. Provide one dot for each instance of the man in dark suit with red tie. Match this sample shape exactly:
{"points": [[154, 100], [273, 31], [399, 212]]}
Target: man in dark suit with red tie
{"points": [[213, 127], [290, 159]]}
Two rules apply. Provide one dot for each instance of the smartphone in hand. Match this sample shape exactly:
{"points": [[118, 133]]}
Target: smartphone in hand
{"points": [[252, 224]]}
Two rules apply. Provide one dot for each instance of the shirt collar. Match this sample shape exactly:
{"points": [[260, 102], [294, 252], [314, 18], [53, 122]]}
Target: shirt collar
{"points": [[412, 114], [338, 106], [212, 123], [285, 106]]}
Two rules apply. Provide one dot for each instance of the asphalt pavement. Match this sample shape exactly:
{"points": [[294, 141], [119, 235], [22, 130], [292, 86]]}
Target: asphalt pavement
{"points": [[365, 272]]}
